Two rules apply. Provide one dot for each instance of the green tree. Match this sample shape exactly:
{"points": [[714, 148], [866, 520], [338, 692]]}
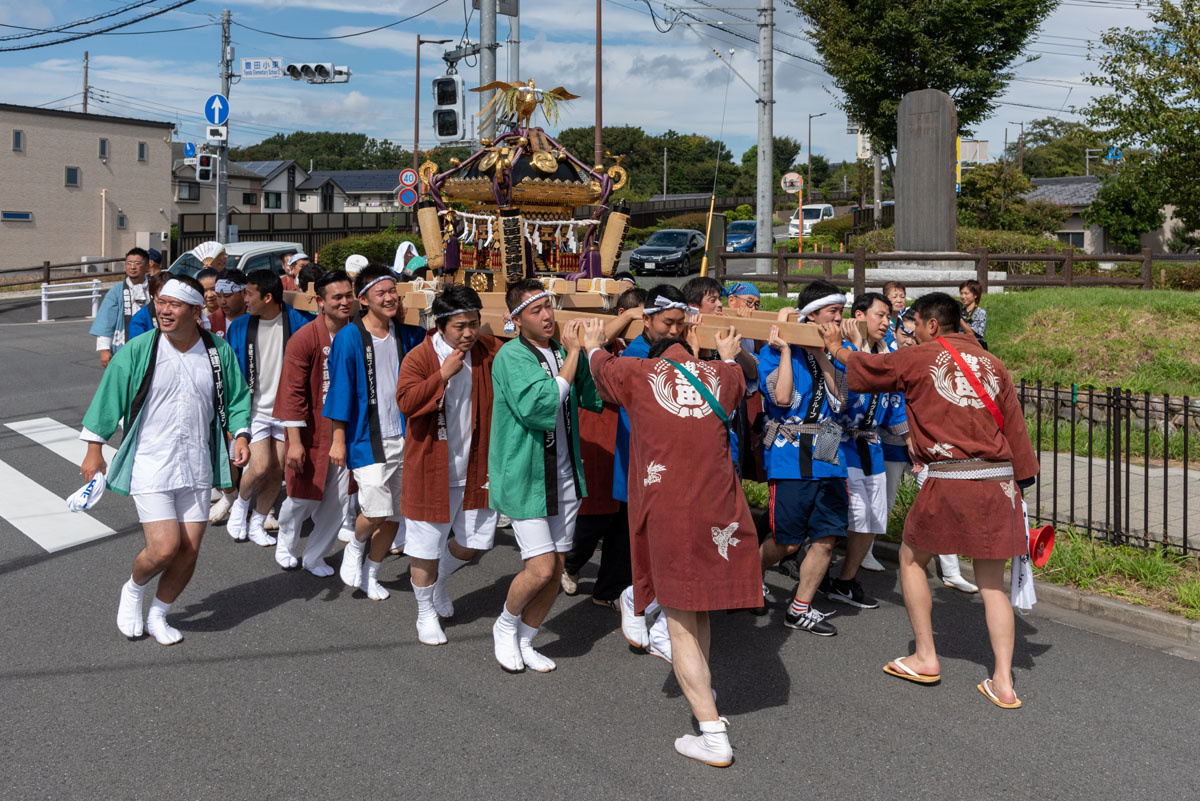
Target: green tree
{"points": [[876, 51], [1126, 206], [1055, 148], [993, 197], [1153, 78], [326, 150]]}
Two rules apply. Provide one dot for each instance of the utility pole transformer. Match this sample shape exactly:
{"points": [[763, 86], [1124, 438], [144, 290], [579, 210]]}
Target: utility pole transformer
{"points": [[765, 204], [223, 149]]}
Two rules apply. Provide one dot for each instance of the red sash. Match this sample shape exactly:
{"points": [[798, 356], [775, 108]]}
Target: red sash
{"points": [[974, 381]]}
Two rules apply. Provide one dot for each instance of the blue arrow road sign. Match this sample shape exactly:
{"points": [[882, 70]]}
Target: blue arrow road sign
{"points": [[216, 110], [189, 150]]}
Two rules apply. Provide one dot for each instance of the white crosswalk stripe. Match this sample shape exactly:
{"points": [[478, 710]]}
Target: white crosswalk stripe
{"points": [[34, 510]]}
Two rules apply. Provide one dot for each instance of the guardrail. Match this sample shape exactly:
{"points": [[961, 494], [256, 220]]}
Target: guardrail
{"points": [[44, 272], [79, 290], [980, 258]]}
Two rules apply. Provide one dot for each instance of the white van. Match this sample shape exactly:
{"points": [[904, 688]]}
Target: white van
{"points": [[813, 214]]}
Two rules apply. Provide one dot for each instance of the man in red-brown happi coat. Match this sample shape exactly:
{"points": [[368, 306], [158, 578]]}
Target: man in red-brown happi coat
{"points": [[316, 488], [692, 537], [444, 392], [978, 456]]}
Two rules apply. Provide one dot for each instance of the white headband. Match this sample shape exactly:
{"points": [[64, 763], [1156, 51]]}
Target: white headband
{"points": [[510, 327], [443, 315], [661, 303], [828, 300], [370, 284], [181, 291], [226, 287]]}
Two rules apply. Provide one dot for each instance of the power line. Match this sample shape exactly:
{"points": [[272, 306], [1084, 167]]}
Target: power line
{"points": [[86, 34], [69, 25], [345, 35]]}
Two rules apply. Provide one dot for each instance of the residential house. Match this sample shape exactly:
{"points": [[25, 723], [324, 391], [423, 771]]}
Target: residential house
{"points": [[280, 179], [350, 190], [80, 185], [244, 193], [1075, 193]]}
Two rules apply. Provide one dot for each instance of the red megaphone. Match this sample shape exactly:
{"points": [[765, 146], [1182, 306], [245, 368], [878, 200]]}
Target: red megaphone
{"points": [[1041, 544]]}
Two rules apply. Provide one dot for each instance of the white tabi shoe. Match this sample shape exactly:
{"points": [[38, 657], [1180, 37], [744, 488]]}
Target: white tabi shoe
{"points": [[352, 559], [156, 624], [284, 558], [345, 533], [397, 546], [370, 581], [660, 640], [632, 626], [429, 629], [130, 619], [872, 564], [959, 583], [271, 523], [220, 509], [533, 660], [441, 599], [506, 647], [711, 746], [257, 533], [236, 525], [320, 570]]}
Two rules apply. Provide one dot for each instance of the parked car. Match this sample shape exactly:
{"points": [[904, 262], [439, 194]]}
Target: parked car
{"points": [[813, 214], [672, 251], [740, 236], [244, 256]]}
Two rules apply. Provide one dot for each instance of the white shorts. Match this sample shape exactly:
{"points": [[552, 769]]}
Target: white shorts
{"points": [[868, 501], [473, 528], [539, 535], [263, 427], [187, 505], [379, 484]]}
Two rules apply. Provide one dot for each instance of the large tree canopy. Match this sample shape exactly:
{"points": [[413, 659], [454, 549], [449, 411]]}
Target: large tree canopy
{"points": [[327, 151], [1153, 78], [1056, 148], [877, 51]]}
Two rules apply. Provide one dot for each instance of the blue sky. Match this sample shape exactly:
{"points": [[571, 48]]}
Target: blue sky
{"points": [[654, 80]]}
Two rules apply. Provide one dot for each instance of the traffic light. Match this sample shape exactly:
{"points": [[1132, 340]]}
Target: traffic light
{"points": [[206, 167], [312, 72], [449, 111]]}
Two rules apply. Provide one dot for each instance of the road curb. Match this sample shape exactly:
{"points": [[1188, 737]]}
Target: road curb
{"points": [[1138, 618]]}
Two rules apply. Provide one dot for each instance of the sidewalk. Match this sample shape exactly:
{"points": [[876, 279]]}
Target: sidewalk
{"points": [[1143, 495]]}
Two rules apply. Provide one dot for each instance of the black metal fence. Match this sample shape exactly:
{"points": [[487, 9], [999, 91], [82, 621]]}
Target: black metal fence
{"points": [[1114, 463]]}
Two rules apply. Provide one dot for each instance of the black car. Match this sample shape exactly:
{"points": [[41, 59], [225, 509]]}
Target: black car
{"points": [[672, 251]]}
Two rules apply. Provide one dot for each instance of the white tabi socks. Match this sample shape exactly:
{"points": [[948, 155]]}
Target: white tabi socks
{"points": [[632, 626], [370, 582], [237, 519], [346, 533], [129, 612], [257, 533], [532, 659], [660, 640], [220, 509], [429, 630], [507, 649], [352, 559], [156, 624], [711, 746], [447, 564]]}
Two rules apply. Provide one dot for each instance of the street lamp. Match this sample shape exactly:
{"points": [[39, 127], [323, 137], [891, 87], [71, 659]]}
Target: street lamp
{"points": [[417, 96], [810, 119]]}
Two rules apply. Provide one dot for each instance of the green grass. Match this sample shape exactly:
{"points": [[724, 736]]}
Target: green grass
{"points": [[1104, 336], [1157, 576], [1137, 440]]}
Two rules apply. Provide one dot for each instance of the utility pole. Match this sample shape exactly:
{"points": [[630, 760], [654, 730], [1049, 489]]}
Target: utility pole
{"points": [[877, 159], [664, 173], [85, 81], [810, 119], [487, 61], [765, 202], [1020, 146], [599, 93], [514, 48], [223, 148]]}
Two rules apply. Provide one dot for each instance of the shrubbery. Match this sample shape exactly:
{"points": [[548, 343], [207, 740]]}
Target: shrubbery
{"points": [[378, 248]]}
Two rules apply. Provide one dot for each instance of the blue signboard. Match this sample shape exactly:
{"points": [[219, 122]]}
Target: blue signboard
{"points": [[216, 110], [189, 150]]}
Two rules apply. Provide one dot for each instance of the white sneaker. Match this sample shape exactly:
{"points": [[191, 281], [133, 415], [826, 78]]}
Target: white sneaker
{"points": [[872, 564], [711, 746], [632, 626], [660, 640], [959, 583]]}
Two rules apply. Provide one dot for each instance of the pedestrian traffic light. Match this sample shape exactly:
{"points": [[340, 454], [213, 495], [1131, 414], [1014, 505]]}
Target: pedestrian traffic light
{"points": [[309, 71], [449, 109], [206, 167]]}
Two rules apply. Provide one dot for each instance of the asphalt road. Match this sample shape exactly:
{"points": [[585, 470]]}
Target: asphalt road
{"points": [[289, 686]]}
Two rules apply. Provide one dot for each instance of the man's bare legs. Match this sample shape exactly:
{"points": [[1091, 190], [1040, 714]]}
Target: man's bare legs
{"points": [[857, 546], [171, 550], [529, 599], [918, 602], [262, 476], [989, 575], [690, 638]]}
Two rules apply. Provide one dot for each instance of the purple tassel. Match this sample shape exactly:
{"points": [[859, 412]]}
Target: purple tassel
{"points": [[450, 262]]}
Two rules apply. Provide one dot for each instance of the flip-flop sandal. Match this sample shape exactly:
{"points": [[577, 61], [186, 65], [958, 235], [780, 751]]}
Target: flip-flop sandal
{"points": [[985, 687], [908, 674]]}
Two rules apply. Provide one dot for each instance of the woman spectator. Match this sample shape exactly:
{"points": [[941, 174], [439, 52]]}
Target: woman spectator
{"points": [[969, 292]]}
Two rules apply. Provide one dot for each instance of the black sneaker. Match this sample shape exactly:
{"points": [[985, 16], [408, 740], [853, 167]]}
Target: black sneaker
{"points": [[826, 585], [812, 620], [767, 601], [850, 592], [790, 567]]}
